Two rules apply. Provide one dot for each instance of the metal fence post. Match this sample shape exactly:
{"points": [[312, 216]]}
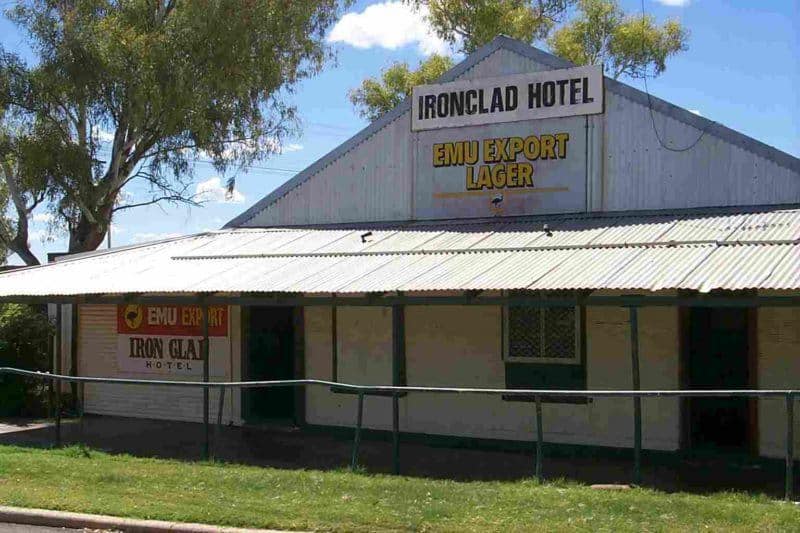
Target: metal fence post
{"points": [[57, 383], [357, 436], [789, 489], [539, 438], [206, 372], [637, 401], [395, 434], [218, 430]]}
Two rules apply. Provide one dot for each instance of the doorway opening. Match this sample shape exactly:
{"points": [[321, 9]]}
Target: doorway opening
{"points": [[268, 355], [719, 358]]}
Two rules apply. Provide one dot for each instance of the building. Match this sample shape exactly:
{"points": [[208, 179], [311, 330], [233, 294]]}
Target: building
{"points": [[500, 229]]}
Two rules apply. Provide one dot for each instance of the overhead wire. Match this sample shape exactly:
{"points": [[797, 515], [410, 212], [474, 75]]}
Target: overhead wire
{"points": [[661, 141]]}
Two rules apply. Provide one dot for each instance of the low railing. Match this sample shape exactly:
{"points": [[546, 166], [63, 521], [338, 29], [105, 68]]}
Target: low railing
{"points": [[790, 396]]}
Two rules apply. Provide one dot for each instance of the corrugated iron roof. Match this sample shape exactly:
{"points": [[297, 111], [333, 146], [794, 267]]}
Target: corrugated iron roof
{"points": [[750, 250]]}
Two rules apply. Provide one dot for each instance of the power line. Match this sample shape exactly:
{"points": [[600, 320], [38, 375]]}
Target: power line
{"points": [[257, 167], [652, 114], [106, 151]]}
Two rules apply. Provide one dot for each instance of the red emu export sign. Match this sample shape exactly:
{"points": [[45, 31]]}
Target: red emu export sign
{"points": [[167, 339]]}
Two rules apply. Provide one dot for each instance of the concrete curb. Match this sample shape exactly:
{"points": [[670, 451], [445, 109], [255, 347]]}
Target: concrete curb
{"points": [[43, 517]]}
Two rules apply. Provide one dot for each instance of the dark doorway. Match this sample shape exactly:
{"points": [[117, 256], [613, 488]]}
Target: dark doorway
{"points": [[718, 359], [269, 356]]}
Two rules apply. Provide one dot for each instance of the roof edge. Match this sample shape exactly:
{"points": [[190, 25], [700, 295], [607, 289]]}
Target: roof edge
{"points": [[375, 126], [106, 251], [710, 211], [503, 41]]}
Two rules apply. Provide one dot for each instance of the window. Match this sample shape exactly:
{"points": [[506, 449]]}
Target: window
{"points": [[543, 349], [542, 335]]}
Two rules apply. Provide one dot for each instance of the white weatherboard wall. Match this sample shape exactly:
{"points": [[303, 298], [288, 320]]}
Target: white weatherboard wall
{"points": [[460, 346], [97, 357], [778, 368]]}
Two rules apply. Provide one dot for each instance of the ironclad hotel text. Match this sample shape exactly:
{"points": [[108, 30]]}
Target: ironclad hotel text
{"points": [[475, 101]]}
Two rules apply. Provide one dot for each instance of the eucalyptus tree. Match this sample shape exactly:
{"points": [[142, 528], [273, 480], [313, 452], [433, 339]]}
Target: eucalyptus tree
{"points": [[121, 92], [584, 31]]}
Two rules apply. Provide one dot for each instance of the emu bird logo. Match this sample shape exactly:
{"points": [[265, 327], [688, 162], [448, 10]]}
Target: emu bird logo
{"points": [[133, 315], [497, 204]]}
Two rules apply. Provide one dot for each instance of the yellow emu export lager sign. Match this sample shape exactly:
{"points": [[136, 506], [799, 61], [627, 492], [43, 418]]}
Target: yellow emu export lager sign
{"points": [[493, 163], [522, 168]]}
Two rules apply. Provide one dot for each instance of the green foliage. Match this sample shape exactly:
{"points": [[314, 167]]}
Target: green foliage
{"points": [[248, 496], [377, 96], [630, 45], [600, 33], [137, 90], [24, 339], [471, 24]]}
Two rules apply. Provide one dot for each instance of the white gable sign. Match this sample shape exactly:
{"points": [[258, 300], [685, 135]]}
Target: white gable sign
{"points": [[536, 95]]}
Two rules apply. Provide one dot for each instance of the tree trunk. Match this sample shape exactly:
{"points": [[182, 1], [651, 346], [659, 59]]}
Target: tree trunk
{"points": [[87, 236], [24, 253]]}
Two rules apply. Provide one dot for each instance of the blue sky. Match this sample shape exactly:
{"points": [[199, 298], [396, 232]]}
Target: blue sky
{"points": [[741, 70]]}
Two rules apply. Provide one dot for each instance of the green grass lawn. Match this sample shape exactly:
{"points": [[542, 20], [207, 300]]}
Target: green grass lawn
{"points": [[88, 481]]}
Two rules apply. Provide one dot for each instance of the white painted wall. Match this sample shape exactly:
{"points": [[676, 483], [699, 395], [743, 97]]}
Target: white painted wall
{"points": [[460, 346], [778, 368], [365, 358], [97, 346]]}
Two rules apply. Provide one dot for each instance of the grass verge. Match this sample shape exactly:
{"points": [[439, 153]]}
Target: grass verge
{"points": [[80, 480]]}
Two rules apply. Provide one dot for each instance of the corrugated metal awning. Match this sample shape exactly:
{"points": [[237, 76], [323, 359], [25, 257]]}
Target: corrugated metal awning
{"points": [[736, 251]]}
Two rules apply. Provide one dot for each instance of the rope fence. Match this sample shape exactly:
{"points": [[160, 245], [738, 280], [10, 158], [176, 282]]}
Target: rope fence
{"points": [[790, 396]]}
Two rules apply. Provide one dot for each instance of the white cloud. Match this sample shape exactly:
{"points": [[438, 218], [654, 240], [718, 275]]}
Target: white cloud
{"points": [[43, 218], [124, 198], [291, 147], [674, 3], [101, 135], [696, 112], [147, 236], [40, 235], [388, 25], [212, 190]]}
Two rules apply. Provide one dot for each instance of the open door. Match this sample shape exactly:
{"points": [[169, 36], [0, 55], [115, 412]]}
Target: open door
{"points": [[269, 355], [718, 358]]}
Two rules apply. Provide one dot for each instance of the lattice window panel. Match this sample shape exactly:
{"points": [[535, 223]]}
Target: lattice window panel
{"points": [[559, 333], [525, 332], [542, 333]]}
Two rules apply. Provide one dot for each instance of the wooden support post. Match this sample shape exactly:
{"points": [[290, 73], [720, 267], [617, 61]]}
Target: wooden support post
{"points": [[357, 436], [206, 373], [539, 439], [334, 345], [637, 401], [398, 377], [789, 488], [56, 383], [395, 433], [77, 396]]}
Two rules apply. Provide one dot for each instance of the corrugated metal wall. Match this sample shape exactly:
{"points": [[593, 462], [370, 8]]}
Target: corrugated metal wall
{"points": [[371, 182], [640, 174], [629, 169]]}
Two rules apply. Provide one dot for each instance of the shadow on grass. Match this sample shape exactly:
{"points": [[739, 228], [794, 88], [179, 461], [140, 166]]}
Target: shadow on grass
{"points": [[434, 458]]}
